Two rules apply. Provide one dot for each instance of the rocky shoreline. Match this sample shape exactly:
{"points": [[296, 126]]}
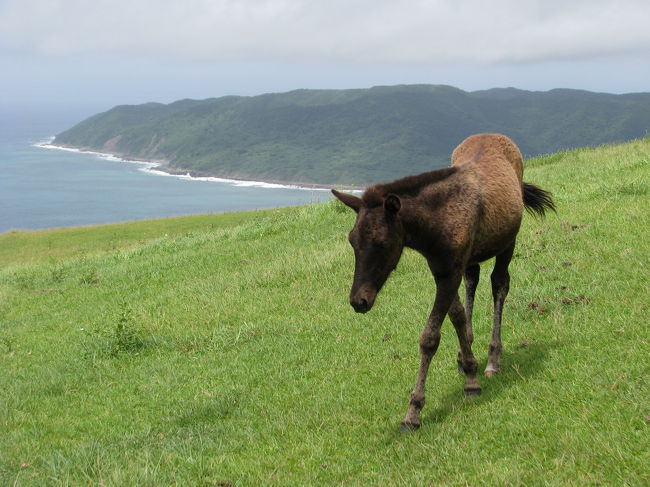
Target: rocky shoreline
{"points": [[162, 166]]}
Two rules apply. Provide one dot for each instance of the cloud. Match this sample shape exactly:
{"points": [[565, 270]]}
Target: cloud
{"points": [[354, 31]]}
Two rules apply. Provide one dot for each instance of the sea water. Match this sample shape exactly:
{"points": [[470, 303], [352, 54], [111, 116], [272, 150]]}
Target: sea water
{"points": [[44, 187]]}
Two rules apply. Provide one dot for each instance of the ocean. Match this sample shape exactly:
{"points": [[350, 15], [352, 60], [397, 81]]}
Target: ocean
{"points": [[43, 187]]}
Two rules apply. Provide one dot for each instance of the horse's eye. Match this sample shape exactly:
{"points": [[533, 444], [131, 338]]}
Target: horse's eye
{"points": [[382, 244]]}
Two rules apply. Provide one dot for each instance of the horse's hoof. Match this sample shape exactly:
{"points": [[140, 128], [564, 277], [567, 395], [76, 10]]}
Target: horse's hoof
{"points": [[408, 427], [490, 372], [472, 391]]}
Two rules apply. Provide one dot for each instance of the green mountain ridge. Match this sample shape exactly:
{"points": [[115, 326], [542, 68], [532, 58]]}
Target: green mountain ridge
{"points": [[354, 136]]}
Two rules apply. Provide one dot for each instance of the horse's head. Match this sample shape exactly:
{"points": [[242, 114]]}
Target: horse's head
{"points": [[378, 240]]}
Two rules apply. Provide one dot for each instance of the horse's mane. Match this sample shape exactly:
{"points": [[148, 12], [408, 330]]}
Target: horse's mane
{"points": [[409, 186]]}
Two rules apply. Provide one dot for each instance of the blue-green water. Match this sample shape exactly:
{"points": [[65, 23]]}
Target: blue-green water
{"points": [[47, 188]]}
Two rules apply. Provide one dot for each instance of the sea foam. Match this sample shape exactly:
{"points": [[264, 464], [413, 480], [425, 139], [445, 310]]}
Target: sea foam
{"points": [[151, 168]]}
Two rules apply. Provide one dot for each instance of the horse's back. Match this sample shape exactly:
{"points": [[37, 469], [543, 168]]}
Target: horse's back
{"points": [[489, 151]]}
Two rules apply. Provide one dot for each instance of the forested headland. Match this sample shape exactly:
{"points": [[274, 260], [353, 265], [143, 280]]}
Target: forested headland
{"points": [[353, 137]]}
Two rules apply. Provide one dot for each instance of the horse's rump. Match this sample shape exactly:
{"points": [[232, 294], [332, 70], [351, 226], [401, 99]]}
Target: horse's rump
{"points": [[489, 151]]}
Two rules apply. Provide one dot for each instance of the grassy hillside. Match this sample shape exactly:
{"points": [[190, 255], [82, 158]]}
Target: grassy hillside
{"points": [[354, 136], [221, 351]]}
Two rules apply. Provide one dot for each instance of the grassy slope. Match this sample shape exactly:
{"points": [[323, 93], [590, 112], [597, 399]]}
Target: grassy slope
{"points": [[225, 353]]}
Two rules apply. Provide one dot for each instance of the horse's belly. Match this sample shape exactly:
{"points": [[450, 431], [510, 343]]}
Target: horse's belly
{"points": [[496, 235]]}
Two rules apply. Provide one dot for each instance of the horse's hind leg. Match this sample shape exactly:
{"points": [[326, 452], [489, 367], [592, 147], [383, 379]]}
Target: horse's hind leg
{"points": [[471, 281], [500, 285], [466, 361], [472, 274]]}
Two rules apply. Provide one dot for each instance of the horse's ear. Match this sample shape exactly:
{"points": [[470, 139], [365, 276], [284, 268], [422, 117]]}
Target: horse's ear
{"points": [[392, 204], [350, 200]]}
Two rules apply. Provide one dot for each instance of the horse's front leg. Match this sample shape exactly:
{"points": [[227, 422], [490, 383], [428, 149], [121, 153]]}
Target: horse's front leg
{"points": [[446, 291]]}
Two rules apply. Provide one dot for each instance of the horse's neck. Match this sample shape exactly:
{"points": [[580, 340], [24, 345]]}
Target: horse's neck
{"points": [[419, 221]]}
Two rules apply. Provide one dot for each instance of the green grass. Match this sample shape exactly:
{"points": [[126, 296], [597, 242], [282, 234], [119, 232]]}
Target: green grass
{"points": [[221, 351], [19, 247]]}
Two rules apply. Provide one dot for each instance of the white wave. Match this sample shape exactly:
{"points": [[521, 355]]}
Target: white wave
{"points": [[101, 155], [233, 182], [150, 168], [44, 142]]}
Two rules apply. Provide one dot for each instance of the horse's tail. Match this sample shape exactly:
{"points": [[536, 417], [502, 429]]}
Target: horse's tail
{"points": [[537, 200]]}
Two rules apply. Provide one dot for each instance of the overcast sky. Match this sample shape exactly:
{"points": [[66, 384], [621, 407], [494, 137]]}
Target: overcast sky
{"points": [[107, 52]]}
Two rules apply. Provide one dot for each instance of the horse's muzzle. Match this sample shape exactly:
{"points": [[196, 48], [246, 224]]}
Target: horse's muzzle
{"points": [[362, 300], [361, 306]]}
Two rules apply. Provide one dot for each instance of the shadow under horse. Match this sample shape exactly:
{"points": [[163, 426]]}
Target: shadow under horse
{"points": [[455, 217]]}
